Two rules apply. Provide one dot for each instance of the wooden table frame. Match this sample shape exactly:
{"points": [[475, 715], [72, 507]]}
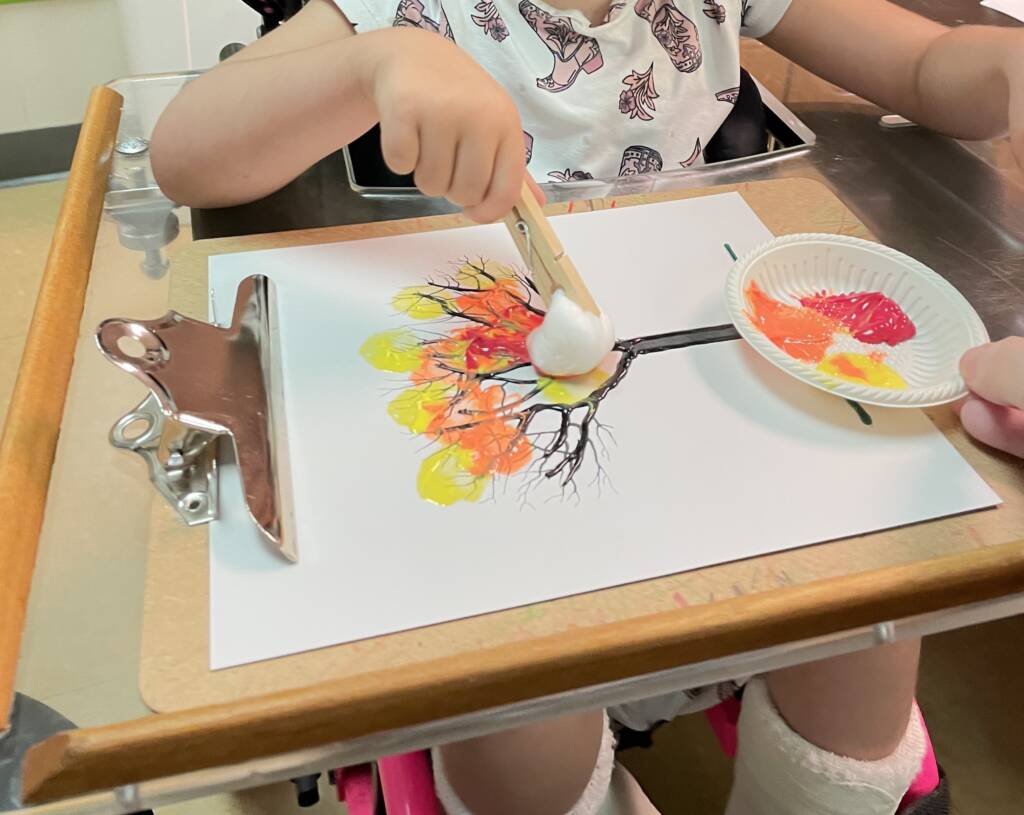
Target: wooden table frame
{"points": [[37, 405], [120, 755]]}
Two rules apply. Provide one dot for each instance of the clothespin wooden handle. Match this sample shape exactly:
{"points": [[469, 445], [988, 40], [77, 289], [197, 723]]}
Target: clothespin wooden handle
{"points": [[543, 254]]}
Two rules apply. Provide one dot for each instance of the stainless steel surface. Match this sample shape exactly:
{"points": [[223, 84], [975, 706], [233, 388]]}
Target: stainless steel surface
{"points": [[216, 381], [158, 793], [181, 461], [788, 118], [957, 12]]}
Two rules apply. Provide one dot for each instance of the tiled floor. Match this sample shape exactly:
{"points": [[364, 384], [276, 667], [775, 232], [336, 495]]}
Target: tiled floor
{"points": [[972, 682]]}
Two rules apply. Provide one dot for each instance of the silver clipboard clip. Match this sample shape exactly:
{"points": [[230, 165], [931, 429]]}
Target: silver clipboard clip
{"points": [[208, 384]]}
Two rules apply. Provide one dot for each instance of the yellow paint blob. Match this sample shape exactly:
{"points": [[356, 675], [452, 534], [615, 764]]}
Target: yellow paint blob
{"points": [[419, 302], [862, 370], [397, 351], [570, 390], [417, 407], [444, 477]]}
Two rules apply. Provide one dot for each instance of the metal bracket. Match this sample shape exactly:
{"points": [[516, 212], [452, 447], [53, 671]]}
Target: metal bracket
{"points": [[893, 121], [182, 461], [31, 722], [206, 382]]}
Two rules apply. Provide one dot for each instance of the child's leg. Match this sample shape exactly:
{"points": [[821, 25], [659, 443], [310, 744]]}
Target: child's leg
{"points": [[542, 768], [856, 705], [834, 737]]}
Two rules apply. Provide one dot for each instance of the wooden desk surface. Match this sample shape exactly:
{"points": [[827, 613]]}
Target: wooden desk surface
{"points": [[174, 660]]}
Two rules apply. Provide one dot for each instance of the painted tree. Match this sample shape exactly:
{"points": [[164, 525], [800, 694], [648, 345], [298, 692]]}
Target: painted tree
{"points": [[471, 391]]}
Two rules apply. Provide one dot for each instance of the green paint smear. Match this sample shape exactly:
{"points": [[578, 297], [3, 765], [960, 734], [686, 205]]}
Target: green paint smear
{"points": [[862, 414]]}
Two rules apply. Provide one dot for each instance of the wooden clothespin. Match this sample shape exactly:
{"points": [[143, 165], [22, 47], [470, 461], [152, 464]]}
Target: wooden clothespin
{"points": [[543, 254]]}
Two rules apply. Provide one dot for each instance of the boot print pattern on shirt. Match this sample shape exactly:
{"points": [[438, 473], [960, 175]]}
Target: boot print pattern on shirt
{"points": [[572, 51], [412, 14], [488, 18], [639, 160], [674, 31], [715, 11], [696, 154], [570, 175]]}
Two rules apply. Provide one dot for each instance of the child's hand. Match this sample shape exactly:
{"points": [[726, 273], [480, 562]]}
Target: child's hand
{"points": [[443, 118], [994, 412]]}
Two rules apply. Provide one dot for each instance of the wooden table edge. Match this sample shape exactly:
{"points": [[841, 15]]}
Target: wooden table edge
{"points": [[36, 409], [163, 745]]}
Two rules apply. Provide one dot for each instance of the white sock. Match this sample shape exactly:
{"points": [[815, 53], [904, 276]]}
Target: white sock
{"points": [[780, 773], [624, 798]]}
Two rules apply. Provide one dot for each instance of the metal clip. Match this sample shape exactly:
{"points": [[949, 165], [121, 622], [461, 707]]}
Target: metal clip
{"points": [[884, 633], [524, 229], [182, 461], [206, 382]]}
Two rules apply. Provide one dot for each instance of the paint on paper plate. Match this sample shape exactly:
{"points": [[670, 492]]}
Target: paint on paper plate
{"points": [[469, 389], [809, 332]]}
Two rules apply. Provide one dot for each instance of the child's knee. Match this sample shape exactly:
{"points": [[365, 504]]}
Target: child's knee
{"points": [[855, 704], [778, 772], [554, 767]]}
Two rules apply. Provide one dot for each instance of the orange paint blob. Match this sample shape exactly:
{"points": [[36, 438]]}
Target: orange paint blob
{"points": [[802, 333], [845, 367]]}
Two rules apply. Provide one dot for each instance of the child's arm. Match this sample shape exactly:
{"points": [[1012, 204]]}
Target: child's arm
{"points": [[253, 123], [994, 412], [967, 82]]}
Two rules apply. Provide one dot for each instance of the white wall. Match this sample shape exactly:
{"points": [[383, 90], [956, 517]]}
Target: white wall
{"points": [[155, 32], [52, 52]]}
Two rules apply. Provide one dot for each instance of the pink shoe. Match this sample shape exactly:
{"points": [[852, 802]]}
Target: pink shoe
{"points": [[929, 788]]}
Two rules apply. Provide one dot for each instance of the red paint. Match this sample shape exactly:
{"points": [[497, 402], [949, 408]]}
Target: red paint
{"points": [[871, 317], [571, 203], [489, 346], [499, 342], [679, 599]]}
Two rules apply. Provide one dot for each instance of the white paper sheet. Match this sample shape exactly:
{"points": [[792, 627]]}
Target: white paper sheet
{"points": [[1011, 8], [716, 454]]}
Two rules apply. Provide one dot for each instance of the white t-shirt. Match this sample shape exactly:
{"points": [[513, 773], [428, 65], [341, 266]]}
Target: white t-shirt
{"points": [[642, 92]]}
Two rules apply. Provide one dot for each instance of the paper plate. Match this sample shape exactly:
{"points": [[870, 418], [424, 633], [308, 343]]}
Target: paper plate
{"points": [[869, 340]]}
